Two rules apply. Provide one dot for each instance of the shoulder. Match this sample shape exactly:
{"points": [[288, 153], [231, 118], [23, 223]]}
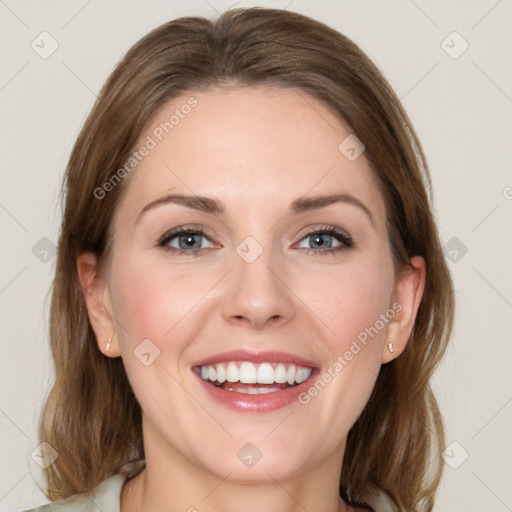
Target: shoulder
{"points": [[105, 497], [379, 501], [78, 503]]}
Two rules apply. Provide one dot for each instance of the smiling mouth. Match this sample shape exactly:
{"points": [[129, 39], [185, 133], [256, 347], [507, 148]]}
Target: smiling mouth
{"points": [[253, 379]]}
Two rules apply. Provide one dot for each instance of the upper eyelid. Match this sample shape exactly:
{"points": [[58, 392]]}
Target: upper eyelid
{"points": [[172, 233], [200, 230], [323, 227]]}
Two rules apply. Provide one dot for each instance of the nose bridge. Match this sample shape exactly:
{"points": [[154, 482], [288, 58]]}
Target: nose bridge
{"points": [[257, 292]]}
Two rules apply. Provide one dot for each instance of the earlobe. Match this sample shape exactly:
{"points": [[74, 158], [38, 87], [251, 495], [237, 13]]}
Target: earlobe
{"points": [[97, 298], [408, 294]]}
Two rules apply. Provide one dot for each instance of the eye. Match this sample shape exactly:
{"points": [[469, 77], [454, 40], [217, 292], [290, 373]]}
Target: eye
{"points": [[190, 241], [184, 241], [327, 240]]}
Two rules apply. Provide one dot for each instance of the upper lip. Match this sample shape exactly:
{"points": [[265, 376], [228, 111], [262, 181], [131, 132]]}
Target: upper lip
{"points": [[256, 357]]}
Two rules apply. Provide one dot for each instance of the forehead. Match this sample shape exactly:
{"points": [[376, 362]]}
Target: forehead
{"points": [[249, 147]]}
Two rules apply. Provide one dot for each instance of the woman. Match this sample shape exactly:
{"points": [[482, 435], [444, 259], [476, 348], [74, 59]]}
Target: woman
{"points": [[250, 295]]}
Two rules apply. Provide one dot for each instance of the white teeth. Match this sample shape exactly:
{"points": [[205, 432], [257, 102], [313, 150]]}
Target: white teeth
{"points": [[254, 391], [247, 373], [221, 373], [268, 390], [280, 374], [231, 373], [302, 375], [250, 373], [290, 374], [265, 374]]}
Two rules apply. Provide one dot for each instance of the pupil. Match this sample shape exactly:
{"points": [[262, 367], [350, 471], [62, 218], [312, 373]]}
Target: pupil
{"points": [[189, 241], [322, 242]]}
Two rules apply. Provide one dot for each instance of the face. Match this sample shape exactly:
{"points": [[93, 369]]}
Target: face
{"points": [[267, 283]]}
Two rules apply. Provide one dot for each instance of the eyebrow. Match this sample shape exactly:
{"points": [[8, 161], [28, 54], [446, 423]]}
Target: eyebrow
{"points": [[214, 206]]}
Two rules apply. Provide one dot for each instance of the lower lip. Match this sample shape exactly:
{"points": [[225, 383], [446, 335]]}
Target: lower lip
{"points": [[266, 402]]}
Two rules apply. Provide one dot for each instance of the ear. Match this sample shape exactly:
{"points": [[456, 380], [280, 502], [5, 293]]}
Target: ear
{"points": [[408, 294], [99, 306]]}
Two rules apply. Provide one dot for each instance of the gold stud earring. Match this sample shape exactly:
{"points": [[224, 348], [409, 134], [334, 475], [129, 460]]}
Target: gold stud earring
{"points": [[108, 344], [390, 347]]}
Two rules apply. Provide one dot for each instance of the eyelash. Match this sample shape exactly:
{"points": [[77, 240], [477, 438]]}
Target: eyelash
{"points": [[345, 239]]}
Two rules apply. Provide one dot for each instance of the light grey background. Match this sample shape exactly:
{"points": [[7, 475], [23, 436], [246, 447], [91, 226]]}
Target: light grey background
{"points": [[461, 108]]}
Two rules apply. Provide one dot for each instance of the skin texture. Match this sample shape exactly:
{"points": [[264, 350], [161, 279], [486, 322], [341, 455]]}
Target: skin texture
{"points": [[256, 150]]}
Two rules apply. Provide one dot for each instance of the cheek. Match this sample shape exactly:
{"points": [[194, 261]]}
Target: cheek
{"points": [[154, 302], [350, 300], [353, 305], [150, 299]]}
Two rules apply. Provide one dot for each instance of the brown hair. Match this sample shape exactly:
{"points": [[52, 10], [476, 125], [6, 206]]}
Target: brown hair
{"points": [[396, 442]]}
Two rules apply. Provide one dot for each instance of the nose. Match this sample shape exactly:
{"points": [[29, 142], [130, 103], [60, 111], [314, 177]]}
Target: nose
{"points": [[258, 294]]}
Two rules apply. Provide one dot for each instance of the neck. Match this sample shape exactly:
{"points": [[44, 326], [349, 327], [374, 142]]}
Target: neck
{"points": [[145, 493]]}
